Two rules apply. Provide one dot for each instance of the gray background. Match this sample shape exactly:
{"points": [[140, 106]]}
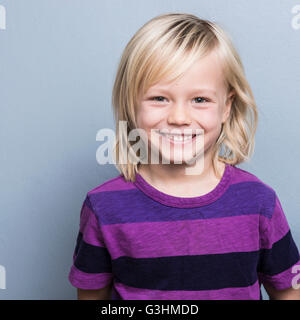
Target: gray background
{"points": [[58, 60]]}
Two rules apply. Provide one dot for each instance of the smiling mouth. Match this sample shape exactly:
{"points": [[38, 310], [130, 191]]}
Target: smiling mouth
{"points": [[179, 138]]}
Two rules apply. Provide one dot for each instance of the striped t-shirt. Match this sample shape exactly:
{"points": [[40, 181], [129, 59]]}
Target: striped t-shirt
{"points": [[152, 245]]}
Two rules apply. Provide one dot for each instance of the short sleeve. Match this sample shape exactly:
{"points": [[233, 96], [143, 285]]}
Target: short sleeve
{"points": [[278, 252], [91, 268]]}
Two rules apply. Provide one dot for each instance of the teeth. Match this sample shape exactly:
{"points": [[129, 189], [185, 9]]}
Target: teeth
{"points": [[178, 137]]}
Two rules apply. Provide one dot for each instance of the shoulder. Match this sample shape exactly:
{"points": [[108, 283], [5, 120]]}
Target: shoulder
{"points": [[108, 194], [256, 190], [240, 176], [115, 184]]}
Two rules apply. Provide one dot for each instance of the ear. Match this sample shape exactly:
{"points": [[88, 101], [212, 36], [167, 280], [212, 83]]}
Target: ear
{"points": [[228, 104]]}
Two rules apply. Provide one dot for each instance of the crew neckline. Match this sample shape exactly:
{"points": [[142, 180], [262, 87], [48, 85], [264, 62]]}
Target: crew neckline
{"points": [[184, 202]]}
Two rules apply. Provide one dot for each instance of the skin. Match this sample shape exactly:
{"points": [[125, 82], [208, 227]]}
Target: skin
{"points": [[100, 294], [178, 106]]}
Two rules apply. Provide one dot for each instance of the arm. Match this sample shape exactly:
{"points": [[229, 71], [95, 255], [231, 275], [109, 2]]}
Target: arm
{"points": [[285, 294], [279, 256], [99, 294]]}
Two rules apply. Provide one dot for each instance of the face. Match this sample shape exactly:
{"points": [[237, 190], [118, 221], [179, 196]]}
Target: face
{"points": [[198, 101]]}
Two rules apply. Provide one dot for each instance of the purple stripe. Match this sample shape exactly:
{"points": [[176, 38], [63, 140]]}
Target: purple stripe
{"points": [[185, 237], [89, 227], [88, 281], [134, 206], [241, 175], [273, 229], [243, 293]]}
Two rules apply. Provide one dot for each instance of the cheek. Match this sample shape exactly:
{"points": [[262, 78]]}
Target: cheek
{"points": [[141, 117], [147, 118], [209, 120], [145, 123]]}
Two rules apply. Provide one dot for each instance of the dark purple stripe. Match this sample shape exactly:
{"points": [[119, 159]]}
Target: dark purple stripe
{"points": [[280, 257], [90, 258], [204, 272]]}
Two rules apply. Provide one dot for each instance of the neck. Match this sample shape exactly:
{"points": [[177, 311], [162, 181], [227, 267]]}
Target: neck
{"points": [[174, 174]]}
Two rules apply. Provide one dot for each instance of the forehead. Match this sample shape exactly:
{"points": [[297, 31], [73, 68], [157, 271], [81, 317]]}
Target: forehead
{"points": [[206, 73]]}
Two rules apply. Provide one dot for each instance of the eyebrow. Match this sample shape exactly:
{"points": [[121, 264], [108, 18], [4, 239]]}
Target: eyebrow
{"points": [[192, 91]]}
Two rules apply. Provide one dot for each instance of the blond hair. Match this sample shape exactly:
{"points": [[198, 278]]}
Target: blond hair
{"points": [[165, 47]]}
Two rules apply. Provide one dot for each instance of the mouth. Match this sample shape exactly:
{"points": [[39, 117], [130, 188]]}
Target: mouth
{"points": [[179, 138]]}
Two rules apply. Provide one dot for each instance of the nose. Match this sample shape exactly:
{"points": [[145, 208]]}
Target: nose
{"points": [[179, 114]]}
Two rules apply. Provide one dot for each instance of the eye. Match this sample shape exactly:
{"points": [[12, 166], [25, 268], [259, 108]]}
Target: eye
{"points": [[202, 98], [154, 98]]}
